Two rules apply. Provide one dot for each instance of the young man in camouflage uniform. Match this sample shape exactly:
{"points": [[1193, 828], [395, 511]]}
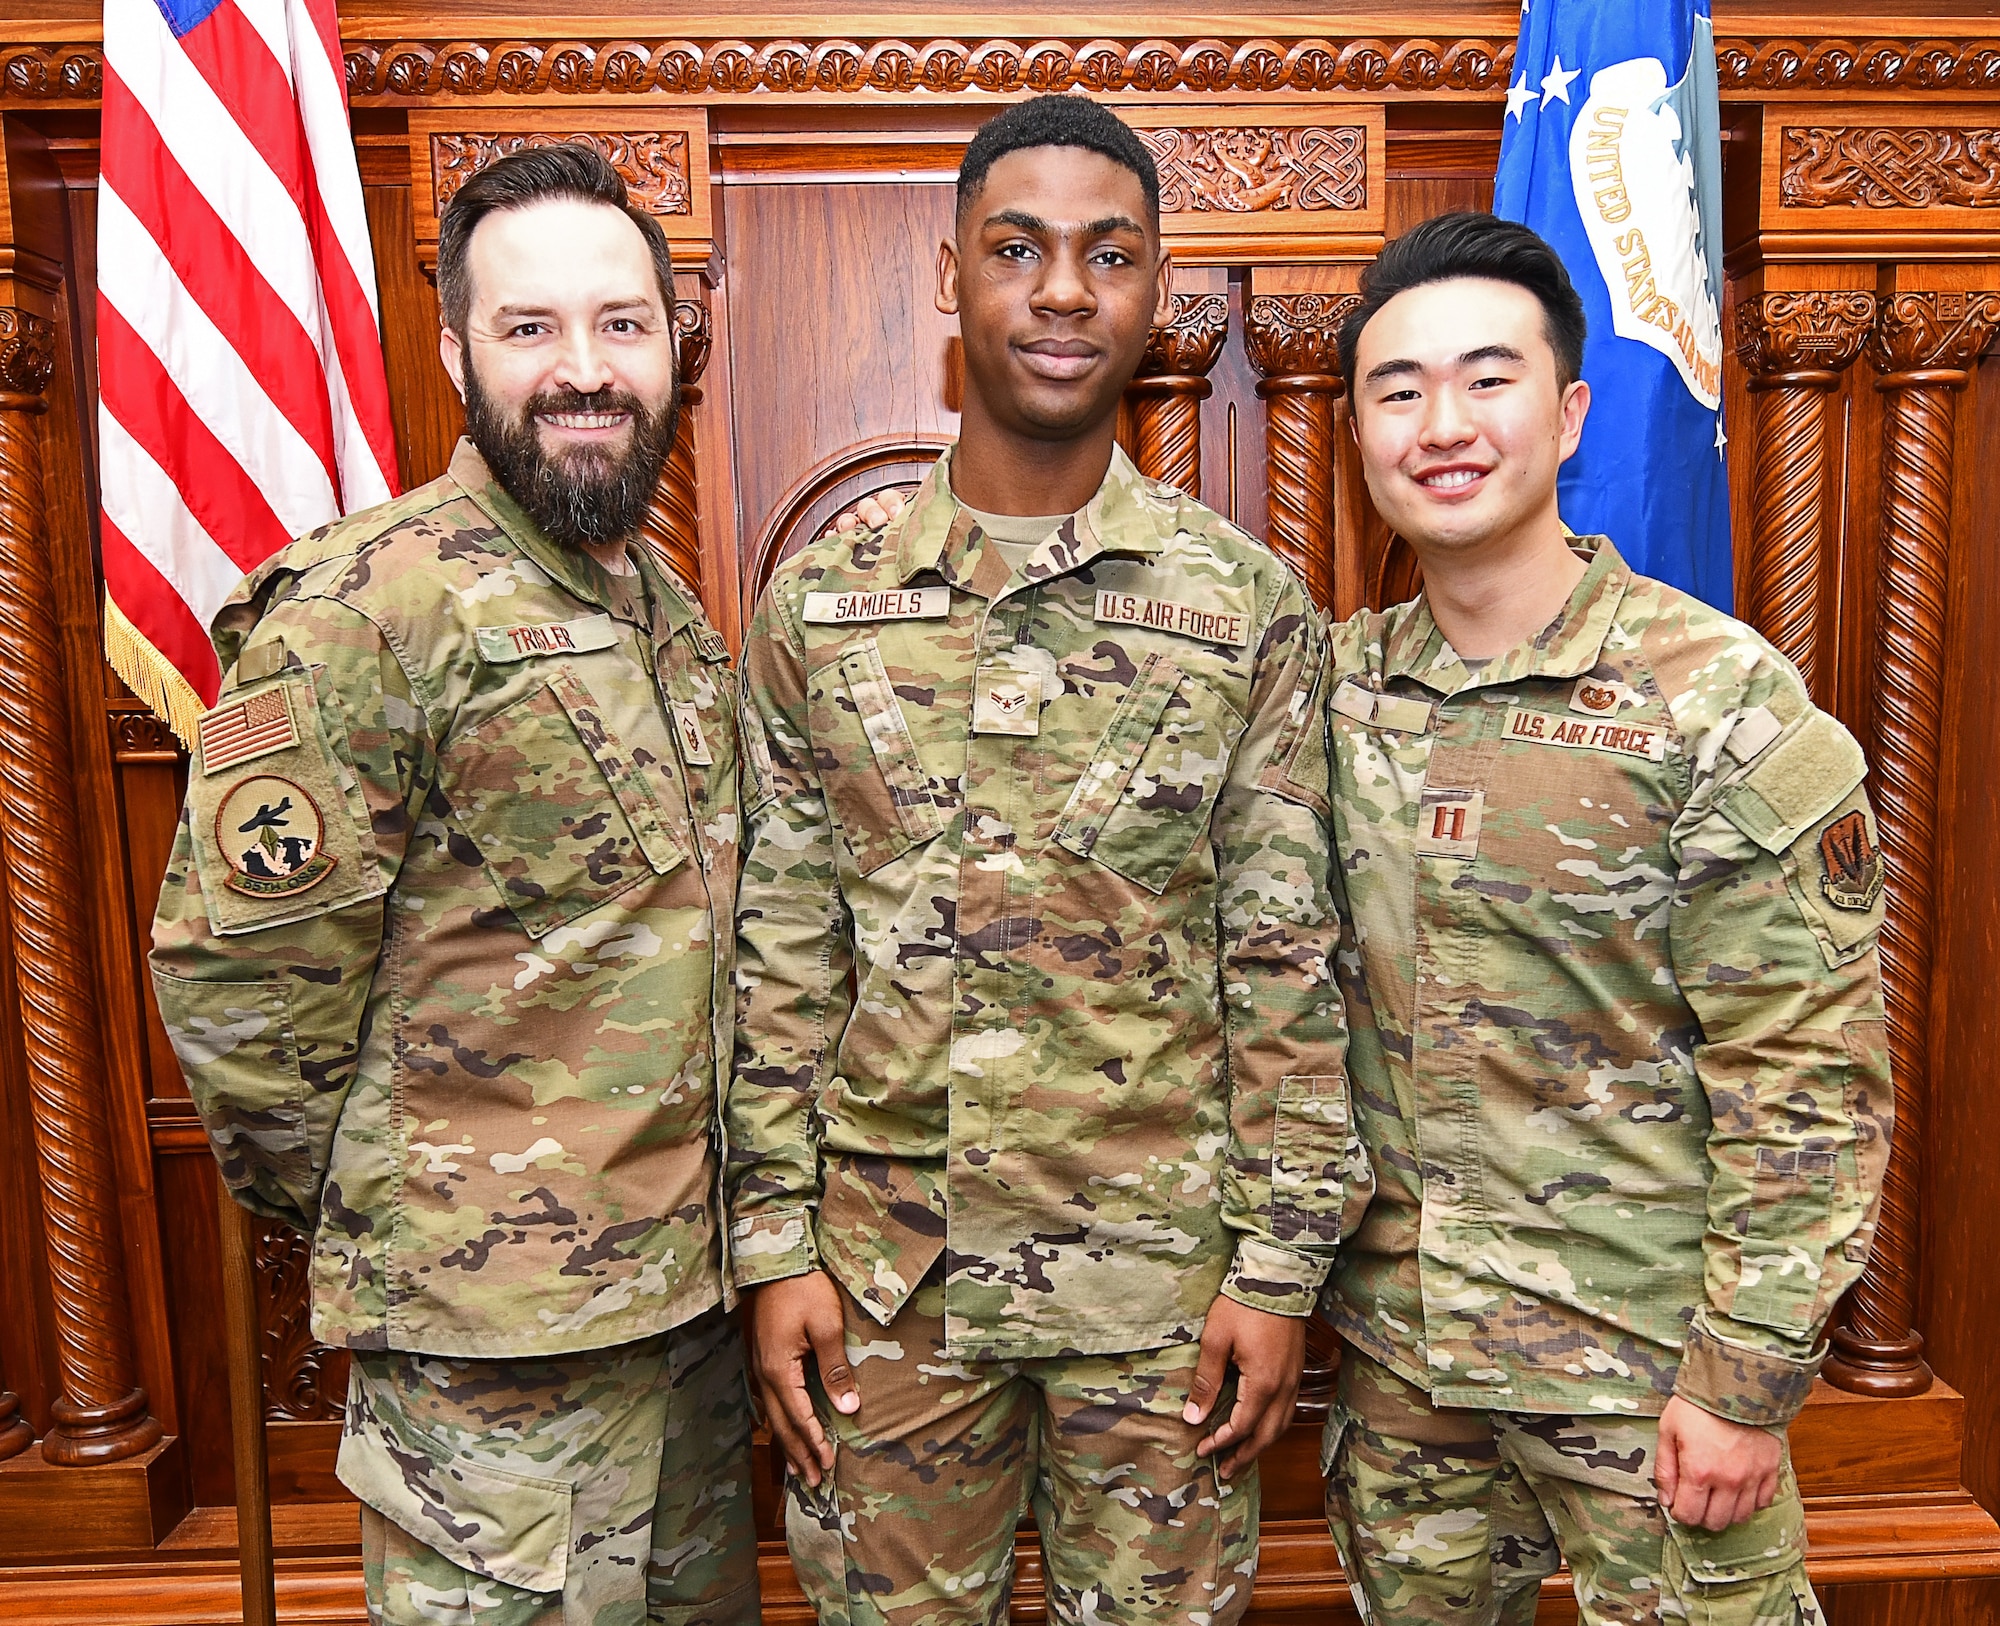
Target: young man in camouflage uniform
{"points": [[1038, 1120], [1612, 888], [444, 950]]}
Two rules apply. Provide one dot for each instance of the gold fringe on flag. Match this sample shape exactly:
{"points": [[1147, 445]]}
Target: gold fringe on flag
{"points": [[150, 675]]}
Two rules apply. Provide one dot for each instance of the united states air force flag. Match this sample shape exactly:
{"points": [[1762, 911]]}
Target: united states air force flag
{"points": [[1612, 152]]}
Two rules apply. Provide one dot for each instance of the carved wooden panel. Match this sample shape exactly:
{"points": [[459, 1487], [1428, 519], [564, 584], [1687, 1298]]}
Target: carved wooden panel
{"points": [[1233, 178], [661, 155], [1910, 180], [1878, 167], [653, 163], [304, 1381]]}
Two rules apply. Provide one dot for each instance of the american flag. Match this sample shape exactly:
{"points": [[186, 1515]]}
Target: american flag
{"points": [[241, 388], [250, 728]]}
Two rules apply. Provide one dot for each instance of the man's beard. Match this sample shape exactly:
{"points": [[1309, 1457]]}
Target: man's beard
{"points": [[584, 495]]}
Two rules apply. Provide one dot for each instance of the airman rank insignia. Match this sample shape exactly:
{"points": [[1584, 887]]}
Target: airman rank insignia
{"points": [[1851, 870], [250, 728], [269, 832], [1005, 702]]}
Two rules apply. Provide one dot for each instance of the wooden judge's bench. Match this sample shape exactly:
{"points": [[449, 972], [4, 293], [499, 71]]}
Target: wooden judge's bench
{"points": [[802, 166]]}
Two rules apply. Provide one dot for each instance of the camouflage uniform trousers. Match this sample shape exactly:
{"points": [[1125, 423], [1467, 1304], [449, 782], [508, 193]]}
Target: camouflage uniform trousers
{"points": [[1452, 1515], [915, 1525], [609, 1488]]}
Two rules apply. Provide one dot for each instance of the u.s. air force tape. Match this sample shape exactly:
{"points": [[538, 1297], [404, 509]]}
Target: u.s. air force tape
{"points": [[897, 604]]}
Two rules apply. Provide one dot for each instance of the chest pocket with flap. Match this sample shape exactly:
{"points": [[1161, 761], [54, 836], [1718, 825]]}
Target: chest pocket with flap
{"points": [[1146, 796], [867, 758], [562, 818]]}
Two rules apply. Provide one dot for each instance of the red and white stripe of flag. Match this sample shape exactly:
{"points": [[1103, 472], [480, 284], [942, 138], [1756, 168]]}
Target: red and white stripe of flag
{"points": [[242, 393]]}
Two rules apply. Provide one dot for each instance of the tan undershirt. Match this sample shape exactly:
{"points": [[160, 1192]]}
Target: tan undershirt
{"points": [[1015, 535]]}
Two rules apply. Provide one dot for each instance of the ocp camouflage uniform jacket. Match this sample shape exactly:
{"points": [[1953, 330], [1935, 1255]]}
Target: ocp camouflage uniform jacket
{"points": [[477, 1052], [1034, 935], [1618, 1050]]}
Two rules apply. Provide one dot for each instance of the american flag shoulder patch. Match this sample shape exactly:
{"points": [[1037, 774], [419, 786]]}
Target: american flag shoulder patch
{"points": [[248, 728]]}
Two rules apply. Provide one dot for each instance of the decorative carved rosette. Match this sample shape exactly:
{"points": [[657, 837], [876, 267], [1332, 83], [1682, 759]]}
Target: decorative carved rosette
{"points": [[1796, 345], [672, 523], [1922, 345], [101, 1415], [1293, 340], [1889, 167], [1172, 384]]}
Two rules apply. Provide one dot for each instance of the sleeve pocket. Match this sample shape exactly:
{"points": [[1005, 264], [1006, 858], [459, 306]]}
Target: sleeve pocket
{"points": [[1312, 1146], [1781, 1258], [237, 1047]]}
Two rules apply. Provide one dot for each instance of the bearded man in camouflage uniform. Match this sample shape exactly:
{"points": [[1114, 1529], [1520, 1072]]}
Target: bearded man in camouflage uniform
{"points": [[444, 951], [1612, 888], [1038, 1120]]}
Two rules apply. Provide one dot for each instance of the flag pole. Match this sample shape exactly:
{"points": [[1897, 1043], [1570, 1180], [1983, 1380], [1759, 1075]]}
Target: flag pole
{"points": [[243, 1340]]}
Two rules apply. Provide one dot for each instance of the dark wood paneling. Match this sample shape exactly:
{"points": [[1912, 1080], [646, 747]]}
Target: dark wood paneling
{"points": [[422, 403], [834, 334]]}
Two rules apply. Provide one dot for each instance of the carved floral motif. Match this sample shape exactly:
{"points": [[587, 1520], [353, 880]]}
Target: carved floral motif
{"points": [[1248, 169], [303, 1381], [27, 352], [1927, 330], [1188, 345], [1890, 167], [652, 163], [1790, 332], [1296, 333]]}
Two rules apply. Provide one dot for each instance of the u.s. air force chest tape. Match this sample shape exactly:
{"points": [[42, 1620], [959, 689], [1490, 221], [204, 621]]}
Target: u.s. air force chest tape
{"points": [[891, 604], [1526, 725], [279, 825], [1210, 623]]}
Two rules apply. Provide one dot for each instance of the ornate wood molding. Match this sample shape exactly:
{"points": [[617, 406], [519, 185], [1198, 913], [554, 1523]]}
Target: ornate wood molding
{"points": [[1292, 340], [1796, 345], [102, 1413], [1923, 345], [1889, 167], [397, 70], [652, 163], [1251, 168], [1172, 384], [672, 522]]}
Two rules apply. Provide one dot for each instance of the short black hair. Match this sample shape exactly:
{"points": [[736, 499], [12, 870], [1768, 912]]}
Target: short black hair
{"points": [[1057, 121], [564, 169], [1446, 247]]}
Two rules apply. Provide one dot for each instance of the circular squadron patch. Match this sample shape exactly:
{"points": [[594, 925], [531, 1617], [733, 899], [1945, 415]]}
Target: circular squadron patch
{"points": [[269, 831]]}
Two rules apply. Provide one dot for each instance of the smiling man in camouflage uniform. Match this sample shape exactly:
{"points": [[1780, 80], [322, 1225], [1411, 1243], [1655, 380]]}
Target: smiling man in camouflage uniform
{"points": [[444, 951], [1613, 890], [1038, 1119]]}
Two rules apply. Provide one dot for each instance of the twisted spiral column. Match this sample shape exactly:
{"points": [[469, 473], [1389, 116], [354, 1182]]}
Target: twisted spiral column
{"points": [[672, 524], [102, 1413], [1172, 384], [1922, 345], [1293, 342], [1796, 345]]}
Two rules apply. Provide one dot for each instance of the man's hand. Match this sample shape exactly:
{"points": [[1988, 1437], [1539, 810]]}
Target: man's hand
{"points": [[1712, 1472], [1269, 1352], [787, 1321], [874, 512]]}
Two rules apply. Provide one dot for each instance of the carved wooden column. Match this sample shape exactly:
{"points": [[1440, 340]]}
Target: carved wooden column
{"points": [[671, 523], [1923, 345], [1796, 346], [1293, 341], [15, 1433], [102, 1413], [1172, 384]]}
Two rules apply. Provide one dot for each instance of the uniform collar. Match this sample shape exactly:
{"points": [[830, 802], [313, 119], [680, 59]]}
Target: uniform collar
{"points": [[576, 573], [1568, 646], [939, 533]]}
